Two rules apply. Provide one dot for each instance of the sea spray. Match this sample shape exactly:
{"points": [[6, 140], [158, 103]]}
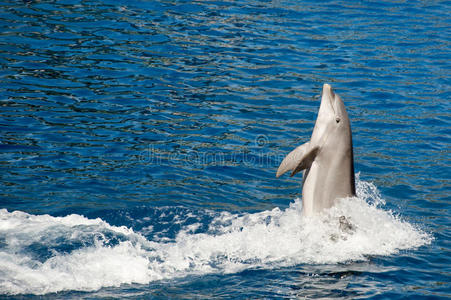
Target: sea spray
{"points": [[41, 254]]}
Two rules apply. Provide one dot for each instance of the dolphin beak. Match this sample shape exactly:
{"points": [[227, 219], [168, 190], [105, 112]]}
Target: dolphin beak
{"points": [[327, 91]]}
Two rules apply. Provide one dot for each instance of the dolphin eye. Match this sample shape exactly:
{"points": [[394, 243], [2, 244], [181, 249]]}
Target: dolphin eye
{"points": [[337, 119]]}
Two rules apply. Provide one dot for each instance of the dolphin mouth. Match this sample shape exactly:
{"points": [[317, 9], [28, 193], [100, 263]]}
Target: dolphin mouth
{"points": [[327, 88]]}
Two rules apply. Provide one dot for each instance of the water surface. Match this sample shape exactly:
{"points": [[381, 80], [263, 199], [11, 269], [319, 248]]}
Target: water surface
{"points": [[140, 139]]}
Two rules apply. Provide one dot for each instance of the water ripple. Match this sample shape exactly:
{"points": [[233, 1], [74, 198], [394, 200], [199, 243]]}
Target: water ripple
{"points": [[118, 104]]}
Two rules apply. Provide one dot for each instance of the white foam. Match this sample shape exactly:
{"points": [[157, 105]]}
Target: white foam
{"points": [[105, 255]]}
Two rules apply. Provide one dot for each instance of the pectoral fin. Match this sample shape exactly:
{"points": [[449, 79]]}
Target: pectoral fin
{"points": [[298, 159], [306, 160]]}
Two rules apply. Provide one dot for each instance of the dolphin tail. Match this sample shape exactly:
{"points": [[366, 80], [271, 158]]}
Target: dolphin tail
{"points": [[299, 159]]}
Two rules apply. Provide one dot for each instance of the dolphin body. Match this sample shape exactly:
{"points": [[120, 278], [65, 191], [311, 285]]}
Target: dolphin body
{"points": [[327, 159]]}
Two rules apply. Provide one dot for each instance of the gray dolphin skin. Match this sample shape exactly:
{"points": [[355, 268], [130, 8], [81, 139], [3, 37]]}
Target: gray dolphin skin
{"points": [[327, 159]]}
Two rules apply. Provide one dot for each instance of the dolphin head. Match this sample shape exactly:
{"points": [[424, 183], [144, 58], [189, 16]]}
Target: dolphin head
{"points": [[332, 123]]}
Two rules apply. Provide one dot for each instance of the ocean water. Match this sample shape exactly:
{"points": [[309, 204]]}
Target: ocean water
{"points": [[139, 142]]}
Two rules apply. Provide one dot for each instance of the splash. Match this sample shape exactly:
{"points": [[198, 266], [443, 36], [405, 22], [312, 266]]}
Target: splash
{"points": [[44, 254]]}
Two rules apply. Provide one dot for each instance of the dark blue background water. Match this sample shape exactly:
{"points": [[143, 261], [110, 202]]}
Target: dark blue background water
{"points": [[115, 109]]}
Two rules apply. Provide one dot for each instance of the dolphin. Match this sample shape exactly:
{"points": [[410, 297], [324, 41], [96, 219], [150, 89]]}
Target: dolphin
{"points": [[327, 159]]}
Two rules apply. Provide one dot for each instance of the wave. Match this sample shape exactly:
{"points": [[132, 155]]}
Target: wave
{"points": [[41, 254]]}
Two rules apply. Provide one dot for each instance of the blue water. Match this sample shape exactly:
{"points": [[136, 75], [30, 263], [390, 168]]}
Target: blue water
{"points": [[140, 140]]}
